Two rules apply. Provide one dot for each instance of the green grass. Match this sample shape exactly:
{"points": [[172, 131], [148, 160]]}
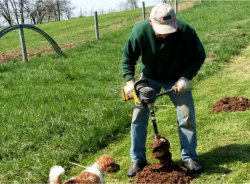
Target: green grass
{"points": [[223, 138], [77, 31], [54, 110]]}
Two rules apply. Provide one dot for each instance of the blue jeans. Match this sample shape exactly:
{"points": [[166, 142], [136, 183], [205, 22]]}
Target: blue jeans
{"points": [[186, 124]]}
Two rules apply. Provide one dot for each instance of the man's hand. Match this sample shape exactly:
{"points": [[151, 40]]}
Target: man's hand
{"points": [[182, 85], [130, 87]]}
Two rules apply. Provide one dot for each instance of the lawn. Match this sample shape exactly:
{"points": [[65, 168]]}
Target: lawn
{"points": [[223, 138], [54, 110]]}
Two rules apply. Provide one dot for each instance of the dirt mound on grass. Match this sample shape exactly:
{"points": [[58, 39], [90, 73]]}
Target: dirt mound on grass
{"points": [[157, 173], [231, 104], [164, 172]]}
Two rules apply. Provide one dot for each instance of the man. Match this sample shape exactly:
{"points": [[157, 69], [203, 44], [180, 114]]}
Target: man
{"points": [[171, 55]]}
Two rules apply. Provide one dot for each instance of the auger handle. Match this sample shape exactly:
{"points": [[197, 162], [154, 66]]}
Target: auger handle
{"points": [[165, 92]]}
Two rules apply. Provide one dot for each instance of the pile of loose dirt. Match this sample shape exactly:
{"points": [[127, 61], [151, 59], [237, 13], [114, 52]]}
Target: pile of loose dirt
{"points": [[164, 172], [156, 173], [231, 104], [161, 151]]}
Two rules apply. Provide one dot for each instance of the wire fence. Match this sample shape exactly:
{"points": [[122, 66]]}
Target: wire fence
{"points": [[100, 26]]}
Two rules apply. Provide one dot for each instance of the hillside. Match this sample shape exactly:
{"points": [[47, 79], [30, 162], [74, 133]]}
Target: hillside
{"points": [[72, 32]]}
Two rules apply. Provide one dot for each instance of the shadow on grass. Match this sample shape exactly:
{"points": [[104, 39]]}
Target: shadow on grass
{"points": [[216, 161]]}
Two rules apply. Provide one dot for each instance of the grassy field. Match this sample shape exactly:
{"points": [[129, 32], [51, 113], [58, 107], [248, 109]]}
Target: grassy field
{"points": [[223, 138], [54, 110]]}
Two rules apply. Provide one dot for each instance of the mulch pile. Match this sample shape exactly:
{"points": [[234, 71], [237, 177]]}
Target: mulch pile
{"points": [[231, 104], [169, 174]]}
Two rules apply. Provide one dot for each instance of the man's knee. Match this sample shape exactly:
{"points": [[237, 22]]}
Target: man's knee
{"points": [[140, 114], [186, 117]]}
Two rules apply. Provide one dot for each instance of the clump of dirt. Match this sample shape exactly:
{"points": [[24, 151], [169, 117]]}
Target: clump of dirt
{"points": [[161, 151], [166, 171], [231, 104], [157, 173]]}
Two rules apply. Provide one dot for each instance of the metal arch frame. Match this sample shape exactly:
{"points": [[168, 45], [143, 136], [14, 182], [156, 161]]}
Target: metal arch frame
{"points": [[29, 26]]}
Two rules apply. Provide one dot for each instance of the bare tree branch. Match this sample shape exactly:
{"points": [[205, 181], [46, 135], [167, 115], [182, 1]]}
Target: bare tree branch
{"points": [[14, 7], [5, 11], [132, 4], [37, 11]]}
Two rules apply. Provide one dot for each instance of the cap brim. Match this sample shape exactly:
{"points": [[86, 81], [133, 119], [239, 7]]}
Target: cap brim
{"points": [[163, 28]]}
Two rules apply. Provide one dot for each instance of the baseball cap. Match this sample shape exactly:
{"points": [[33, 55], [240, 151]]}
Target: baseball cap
{"points": [[163, 19]]}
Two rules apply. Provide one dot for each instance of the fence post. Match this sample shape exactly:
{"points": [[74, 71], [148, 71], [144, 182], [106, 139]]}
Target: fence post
{"points": [[176, 6], [96, 26], [143, 10], [24, 51]]}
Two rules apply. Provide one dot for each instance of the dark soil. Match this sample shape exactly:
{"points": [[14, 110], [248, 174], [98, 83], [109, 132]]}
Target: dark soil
{"points": [[156, 173], [159, 142], [164, 172], [231, 104]]}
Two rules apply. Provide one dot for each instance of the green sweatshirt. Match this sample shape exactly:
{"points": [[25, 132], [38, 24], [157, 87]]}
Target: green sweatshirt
{"points": [[164, 60]]}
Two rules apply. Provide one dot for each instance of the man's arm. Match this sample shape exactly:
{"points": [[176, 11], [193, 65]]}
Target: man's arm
{"points": [[195, 55], [130, 54]]}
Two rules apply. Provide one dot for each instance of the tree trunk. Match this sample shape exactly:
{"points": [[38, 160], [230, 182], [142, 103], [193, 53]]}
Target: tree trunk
{"points": [[21, 4], [58, 10]]}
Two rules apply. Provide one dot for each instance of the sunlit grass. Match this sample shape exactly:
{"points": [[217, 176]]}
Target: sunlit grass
{"points": [[223, 138]]}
